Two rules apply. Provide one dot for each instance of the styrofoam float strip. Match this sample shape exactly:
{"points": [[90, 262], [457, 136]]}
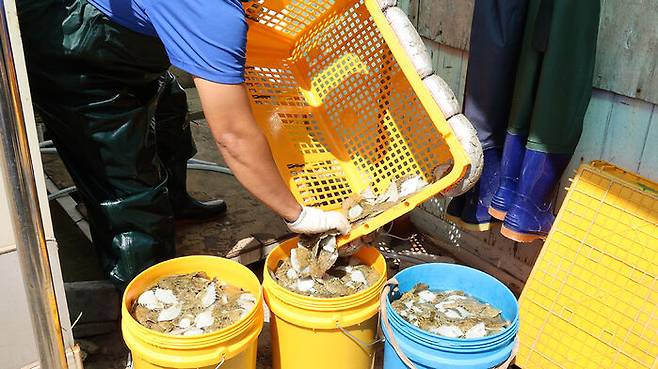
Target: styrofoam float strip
{"points": [[469, 141], [443, 95]]}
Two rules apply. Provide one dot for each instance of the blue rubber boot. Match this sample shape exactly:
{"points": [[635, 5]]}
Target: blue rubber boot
{"points": [[470, 211], [530, 217], [510, 168], [454, 209]]}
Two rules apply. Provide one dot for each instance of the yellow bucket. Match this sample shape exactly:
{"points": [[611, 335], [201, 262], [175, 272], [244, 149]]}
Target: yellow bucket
{"points": [[233, 347], [318, 333]]}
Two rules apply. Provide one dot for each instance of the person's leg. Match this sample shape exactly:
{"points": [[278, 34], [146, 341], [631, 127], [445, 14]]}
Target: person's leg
{"points": [[175, 146], [98, 99], [496, 35], [563, 93]]}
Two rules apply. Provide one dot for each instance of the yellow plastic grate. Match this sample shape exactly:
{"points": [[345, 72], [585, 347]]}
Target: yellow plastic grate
{"points": [[592, 298], [341, 104]]}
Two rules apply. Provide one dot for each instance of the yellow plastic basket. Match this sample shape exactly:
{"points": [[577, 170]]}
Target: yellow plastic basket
{"points": [[592, 298], [342, 106]]}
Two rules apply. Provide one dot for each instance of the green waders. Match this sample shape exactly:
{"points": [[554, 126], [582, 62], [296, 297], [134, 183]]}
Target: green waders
{"points": [[554, 78], [118, 120]]}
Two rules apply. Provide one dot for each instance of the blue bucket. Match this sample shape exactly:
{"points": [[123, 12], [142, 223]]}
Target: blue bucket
{"points": [[428, 351]]}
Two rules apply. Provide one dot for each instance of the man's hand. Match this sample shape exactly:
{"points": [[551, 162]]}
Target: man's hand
{"points": [[314, 221]]}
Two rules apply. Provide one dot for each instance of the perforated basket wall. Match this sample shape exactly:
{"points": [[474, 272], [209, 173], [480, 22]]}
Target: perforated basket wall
{"points": [[592, 298], [342, 106]]}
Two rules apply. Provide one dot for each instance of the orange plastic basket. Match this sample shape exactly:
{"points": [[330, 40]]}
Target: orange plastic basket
{"points": [[342, 106]]}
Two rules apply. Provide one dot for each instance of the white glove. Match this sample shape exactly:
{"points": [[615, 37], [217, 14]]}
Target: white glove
{"points": [[315, 221]]}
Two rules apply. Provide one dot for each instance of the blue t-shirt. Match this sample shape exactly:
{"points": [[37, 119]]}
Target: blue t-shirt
{"points": [[205, 38]]}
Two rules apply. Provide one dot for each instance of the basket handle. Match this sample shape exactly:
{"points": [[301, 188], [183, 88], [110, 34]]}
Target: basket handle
{"points": [[390, 285]]}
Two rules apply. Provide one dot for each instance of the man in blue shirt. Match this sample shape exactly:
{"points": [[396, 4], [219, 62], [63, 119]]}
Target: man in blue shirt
{"points": [[98, 76]]}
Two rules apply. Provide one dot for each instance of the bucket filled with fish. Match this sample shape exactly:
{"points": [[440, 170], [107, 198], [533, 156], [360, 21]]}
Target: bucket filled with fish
{"points": [[324, 306], [448, 316], [193, 312]]}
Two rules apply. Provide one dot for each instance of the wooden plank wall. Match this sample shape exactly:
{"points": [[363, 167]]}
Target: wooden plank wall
{"points": [[626, 63], [621, 124]]}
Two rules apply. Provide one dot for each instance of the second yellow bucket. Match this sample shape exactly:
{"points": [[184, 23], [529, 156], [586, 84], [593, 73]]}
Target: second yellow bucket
{"points": [[233, 347], [320, 333]]}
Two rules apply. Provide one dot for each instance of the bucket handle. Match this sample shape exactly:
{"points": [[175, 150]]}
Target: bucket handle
{"points": [[392, 284], [384, 317], [221, 362], [365, 346]]}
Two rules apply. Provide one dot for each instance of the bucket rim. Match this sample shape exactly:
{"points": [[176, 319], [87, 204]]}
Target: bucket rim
{"points": [[207, 339], [433, 339], [448, 344]]}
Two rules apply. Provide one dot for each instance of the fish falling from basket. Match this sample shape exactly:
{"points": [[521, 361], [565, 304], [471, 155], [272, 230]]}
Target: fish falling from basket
{"points": [[315, 268], [345, 93]]}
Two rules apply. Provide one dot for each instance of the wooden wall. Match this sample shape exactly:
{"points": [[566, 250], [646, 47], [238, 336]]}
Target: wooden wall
{"points": [[621, 124], [627, 60]]}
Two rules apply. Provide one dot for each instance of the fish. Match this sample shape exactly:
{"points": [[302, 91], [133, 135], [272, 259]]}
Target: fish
{"points": [[165, 296], [449, 313], [210, 296], [148, 300], [187, 304], [169, 313]]}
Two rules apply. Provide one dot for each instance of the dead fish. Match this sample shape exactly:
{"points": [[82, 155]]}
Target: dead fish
{"points": [[204, 319], [185, 323], [149, 301], [477, 331], [169, 313], [166, 296], [358, 277], [178, 332], [247, 301], [210, 296], [305, 285], [390, 195], [193, 332], [291, 274], [300, 258], [427, 296], [329, 243], [490, 312], [351, 248], [368, 194], [354, 212], [439, 312], [327, 278], [411, 186], [294, 260], [325, 261], [448, 331]]}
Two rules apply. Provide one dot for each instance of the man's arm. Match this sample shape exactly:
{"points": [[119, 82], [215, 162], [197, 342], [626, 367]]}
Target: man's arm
{"points": [[244, 147], [247, 153]]}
